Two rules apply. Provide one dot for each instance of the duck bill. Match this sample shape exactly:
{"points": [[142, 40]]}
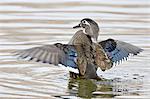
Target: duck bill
{"points": [[77, 26]]}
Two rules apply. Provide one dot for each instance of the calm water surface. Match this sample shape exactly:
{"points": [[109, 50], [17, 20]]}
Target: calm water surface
{"points": [[28, 23]]}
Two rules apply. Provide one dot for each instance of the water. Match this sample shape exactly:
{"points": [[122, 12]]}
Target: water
{"points": [[25, 24]]}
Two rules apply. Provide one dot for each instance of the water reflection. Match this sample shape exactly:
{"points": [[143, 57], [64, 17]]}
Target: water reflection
{"points": [[104, 88], [85, 88]]}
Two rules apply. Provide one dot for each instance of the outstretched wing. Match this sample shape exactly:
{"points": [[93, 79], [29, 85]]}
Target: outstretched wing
{"points": [[118, 50], [52, 54]]}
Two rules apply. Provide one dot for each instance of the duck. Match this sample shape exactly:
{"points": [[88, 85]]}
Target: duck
{"points": [[83, 53]]}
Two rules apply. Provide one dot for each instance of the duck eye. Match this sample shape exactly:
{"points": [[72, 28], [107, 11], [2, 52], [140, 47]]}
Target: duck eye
{"points": [[84, 21]]}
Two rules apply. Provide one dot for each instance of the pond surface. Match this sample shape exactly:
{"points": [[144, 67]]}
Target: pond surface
{"points": [[27, 23]]}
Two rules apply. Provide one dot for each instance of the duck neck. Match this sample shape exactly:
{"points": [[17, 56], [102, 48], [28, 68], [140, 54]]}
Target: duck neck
{"points": [[94, 40]]}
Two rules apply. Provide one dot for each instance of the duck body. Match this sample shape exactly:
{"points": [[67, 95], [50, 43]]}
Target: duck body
{"points": [[90, 55]]}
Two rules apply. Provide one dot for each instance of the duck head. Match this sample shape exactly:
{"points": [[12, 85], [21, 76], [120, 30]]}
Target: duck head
{"points": [[90, 27]]}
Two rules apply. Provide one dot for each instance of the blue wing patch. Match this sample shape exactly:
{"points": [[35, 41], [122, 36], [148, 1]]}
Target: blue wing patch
{"points": [[118, 50], [71, 55]]}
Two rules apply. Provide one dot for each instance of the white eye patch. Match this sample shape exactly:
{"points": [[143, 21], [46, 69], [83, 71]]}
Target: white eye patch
{"points": [[89, 29], [85, 22]]}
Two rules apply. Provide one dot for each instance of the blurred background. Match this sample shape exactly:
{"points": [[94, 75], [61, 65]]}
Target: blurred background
{"points": [[29, 23]]}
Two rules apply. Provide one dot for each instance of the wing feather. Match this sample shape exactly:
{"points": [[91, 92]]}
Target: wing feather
{"points": [[52, 54], [119, 50]]}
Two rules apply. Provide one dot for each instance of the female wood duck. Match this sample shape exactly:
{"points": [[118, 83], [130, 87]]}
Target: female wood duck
{"points": [[83, 52]]}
